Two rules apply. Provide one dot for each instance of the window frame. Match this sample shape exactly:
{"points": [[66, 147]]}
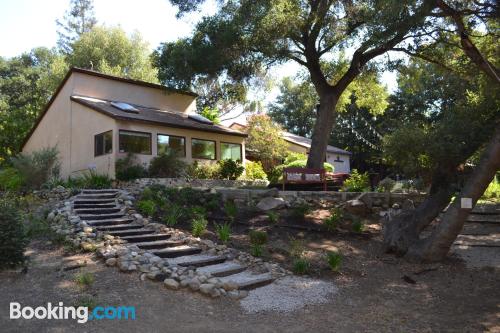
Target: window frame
{"points": [[130, 131], [232, 143], [104, 143], [204, 158], [174, 136]]}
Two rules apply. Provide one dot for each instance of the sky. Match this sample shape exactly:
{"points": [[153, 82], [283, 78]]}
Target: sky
{"points": [[26, 24]]}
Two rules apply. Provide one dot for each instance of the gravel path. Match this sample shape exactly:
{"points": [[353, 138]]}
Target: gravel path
{"points": [[288, 294]]}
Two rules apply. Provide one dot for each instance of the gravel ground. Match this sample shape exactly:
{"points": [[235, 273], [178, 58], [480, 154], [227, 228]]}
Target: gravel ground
{"points": [[288, 294]]}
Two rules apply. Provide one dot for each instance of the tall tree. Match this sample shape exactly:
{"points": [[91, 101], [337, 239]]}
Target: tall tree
{"points": [[111, 51], [79, 19], [244, 36]]}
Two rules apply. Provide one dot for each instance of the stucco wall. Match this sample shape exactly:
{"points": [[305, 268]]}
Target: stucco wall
{"points": [[334, 159], [98, 87]]}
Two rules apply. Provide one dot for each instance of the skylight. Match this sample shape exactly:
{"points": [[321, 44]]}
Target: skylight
{"points": [[124, 107], [200, 119]]}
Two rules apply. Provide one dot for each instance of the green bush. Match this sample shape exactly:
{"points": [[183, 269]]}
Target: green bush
{"points": [[13, 238], [300, 210], [334, 260], [357, 182], [386, 185], [38, 167], [229, 169], [302, 164], [230, 209], [296, 248], [273, 217], [199, 226], [333, 220], [357, 226], [223, 231], [301, 266], [147, 207], [173, 213], [92, 179], [167, 165], [493, 189], [84, 279], [10, 180], [128, 168], [256, 250], [257, 237], [254, 170], [275, 174], [202, 170]]}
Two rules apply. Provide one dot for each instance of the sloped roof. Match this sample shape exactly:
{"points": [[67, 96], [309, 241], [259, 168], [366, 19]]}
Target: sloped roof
{"points": [[152, 115], [305, 142]]}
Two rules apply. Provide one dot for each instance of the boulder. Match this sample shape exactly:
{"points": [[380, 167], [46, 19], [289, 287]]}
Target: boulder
{"points": [[269, 203], [171, 284], [356, 207]]}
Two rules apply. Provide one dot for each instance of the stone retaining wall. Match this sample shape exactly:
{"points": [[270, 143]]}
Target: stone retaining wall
{"points": [[207, 183]]}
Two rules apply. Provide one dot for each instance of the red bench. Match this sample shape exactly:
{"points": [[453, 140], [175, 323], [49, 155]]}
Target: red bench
{"points": [[304, 176]]}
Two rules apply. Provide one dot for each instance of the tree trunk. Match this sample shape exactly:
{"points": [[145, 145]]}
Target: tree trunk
{"points": [[437, 246], [322, 129]]}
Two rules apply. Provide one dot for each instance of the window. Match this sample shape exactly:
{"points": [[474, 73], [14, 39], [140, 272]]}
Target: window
{"points": [[204, 149], [103, 143], [135, 142], [173, 143], [230, 151]]}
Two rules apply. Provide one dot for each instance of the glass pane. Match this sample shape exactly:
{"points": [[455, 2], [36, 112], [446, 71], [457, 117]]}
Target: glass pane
{"points": [[230, 151], [108, 142], [203, 149], [174, 143], [98, 145], [133, 142]]}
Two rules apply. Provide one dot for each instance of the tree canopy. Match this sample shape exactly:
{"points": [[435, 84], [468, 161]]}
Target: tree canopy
{"points": [[78, 20]]}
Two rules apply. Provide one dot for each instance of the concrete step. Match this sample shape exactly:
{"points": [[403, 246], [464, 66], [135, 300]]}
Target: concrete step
{"points": [[89, 206], [484, 218], [146, 238], [100, 223], [177, 251], [197, 260], [99, 191], [94, 201], [118, 227], [97, 211], [159, 244], [97, 217], [223, 269], [247, 281], [96, 196], [131, 232], [491, 240]]}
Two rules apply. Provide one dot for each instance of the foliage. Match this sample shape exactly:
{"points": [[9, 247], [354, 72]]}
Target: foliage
{"points": [[10, 180], [128, 168], [198, 226], [265, 140], [493, 189], [223, 231], [211, 114], [273, 217], [173, 214], [334, 260], [357, 225], [257, 237], [167, 165], [256, 250], [357, 182], [301, 266], [80, 18], [229, 169], [92, 179], [85, 279], [230, 209], [296, 248], [386, 185], [147, 207], [333, 220], [13, 238], [111, 51], [292, 160], [38, 167], [302, 164], [202, 170], [300, 210], [254, 170]]}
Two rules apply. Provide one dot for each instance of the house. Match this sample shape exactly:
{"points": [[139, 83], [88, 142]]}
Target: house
{"points": [[339, 158], [94, 119]]}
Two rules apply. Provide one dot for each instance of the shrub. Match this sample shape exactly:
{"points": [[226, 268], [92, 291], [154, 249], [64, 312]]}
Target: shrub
{"points": [[173, 213], [128, 168], [167, 165], [386, 185], [333, 220], [223, 231], [302, 164], [202, 170], [147, 207], [296, 248], [357, 182], [357, 226], [256, 250], [254, 170], [301, 266], [10, 180], [493, 189], [198, 212], [334, 260], [94, 180], [273, 217], [38, 167], [230, 169], [84, 279], [230, 209], [13, 239], [198, 226], [300, 210], [257, 237], [275, 175]]}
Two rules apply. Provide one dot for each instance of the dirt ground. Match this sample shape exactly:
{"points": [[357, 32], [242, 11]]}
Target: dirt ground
{"points": [[373, 296]]}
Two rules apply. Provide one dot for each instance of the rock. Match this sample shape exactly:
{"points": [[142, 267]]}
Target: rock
{"points": [[111, 262], [367, 199], [171, 284], [269, 203], [408, 205], [356, 207], [87, 230], [229, 285], [215, 293], [206, 288], [194, 285]]}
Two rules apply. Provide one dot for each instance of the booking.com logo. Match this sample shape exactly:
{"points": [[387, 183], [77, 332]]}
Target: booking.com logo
{"points": [[81, 314]]}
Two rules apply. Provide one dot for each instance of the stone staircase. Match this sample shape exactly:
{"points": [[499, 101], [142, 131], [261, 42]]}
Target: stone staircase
{"points": [[102, 211]]}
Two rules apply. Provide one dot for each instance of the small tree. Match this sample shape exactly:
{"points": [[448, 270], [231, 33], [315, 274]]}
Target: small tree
{"points": [[265, 140], [77, 20]]}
